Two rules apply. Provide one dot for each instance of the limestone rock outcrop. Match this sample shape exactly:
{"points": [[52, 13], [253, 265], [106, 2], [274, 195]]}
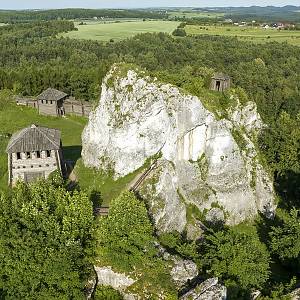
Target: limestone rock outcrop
{"points": [[206, 162], [207, 290], [120, 282]]}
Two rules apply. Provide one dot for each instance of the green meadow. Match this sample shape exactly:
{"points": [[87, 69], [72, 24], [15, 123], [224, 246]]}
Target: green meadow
{"points": [[105, 31], [14, 118], [194, 14], [254, 34]]}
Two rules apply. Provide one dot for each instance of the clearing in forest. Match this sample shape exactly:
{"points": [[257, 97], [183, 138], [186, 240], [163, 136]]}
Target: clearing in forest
{"points": [[195, 14], [118, 30], [247, 33]]}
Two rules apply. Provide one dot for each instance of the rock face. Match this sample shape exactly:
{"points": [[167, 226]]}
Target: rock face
{"points": [[106, 276], [120, 282], [206, 162], [208, 290]]}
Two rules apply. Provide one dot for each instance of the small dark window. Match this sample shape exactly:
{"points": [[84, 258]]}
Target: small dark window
{"points": [[47, 165], [40, 166], [18, 167], [54, 164], [31, 167], [24, 167], [42, 101], [18, 155], [51, 102], [38, 154], [27, 155], [48, 153], [218, 85]]}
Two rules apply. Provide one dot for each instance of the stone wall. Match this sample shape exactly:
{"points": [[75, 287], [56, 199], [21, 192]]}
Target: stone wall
{"points": [[24, 166]]}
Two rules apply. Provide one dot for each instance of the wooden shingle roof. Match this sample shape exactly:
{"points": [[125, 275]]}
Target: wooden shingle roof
{"points": [[34, 138], [52, 94], [221, 76]]}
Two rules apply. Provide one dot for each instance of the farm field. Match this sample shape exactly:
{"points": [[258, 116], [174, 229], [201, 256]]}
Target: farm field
{"points": [[119, 30], [195, 14], [257, 35]]}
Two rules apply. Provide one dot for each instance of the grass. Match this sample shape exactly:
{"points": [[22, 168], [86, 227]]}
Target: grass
{"points": [[93, 180], [254, 34], [119, 30], [14, 118], [194, 14]]}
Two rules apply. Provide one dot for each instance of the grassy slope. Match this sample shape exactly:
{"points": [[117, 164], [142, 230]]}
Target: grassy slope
{"points": [[117, 31], [14, 118], [247, 33], [93, 180]]}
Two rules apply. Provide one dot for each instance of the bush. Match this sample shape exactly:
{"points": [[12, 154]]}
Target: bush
{"points": [[179, 32], [237, 257], [107, 293]]}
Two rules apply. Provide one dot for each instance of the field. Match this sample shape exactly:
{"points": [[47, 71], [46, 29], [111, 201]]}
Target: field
{"points": [[194, 14], [258, 35], [119, 30]]}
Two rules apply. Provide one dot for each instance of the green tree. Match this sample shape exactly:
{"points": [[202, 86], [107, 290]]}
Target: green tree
{"points": [[236, 256], [285, 238], [107, 293], [179, 32], [126, 235], [45, 242]]}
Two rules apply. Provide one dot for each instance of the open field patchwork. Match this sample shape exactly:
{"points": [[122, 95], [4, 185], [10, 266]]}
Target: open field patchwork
{"points": [[254, 34], [119, 30]]}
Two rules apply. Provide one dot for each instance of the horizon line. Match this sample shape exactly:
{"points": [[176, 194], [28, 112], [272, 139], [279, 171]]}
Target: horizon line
{"points": [[146, 7]]}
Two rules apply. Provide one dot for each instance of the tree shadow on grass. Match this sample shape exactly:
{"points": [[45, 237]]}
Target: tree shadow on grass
{"points": [[72, 153]]}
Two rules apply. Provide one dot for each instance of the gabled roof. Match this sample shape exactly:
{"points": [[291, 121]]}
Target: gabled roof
{"points": [[52, 94], [34, 138], [221, 76]]}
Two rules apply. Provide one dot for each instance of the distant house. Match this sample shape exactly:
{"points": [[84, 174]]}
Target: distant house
{"points": [[34, 152], [55, 103], [51, 101], [220, 82]]}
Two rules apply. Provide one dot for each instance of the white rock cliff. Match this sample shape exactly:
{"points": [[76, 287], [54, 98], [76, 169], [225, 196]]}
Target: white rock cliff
{"points": [[205, 162]]}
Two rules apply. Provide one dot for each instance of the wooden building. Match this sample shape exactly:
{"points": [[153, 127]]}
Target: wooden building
{"points": [[220, 82], [56, 103], [34, 152], [51, 102], [27, 102], [77, 107]]}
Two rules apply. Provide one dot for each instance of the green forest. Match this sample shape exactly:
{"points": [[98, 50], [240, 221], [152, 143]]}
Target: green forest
{"points": [[49, 239]]}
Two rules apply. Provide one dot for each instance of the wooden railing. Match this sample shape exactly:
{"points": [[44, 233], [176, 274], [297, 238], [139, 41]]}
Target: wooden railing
{"points": [[141, 179]]}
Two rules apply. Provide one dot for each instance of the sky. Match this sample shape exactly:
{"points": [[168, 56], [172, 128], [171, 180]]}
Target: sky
{"points": [[43, 4]]}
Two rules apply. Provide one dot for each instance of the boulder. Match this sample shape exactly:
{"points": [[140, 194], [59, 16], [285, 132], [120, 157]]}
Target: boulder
{"points": [[106, 276], [183, 271], [208, 290]]}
